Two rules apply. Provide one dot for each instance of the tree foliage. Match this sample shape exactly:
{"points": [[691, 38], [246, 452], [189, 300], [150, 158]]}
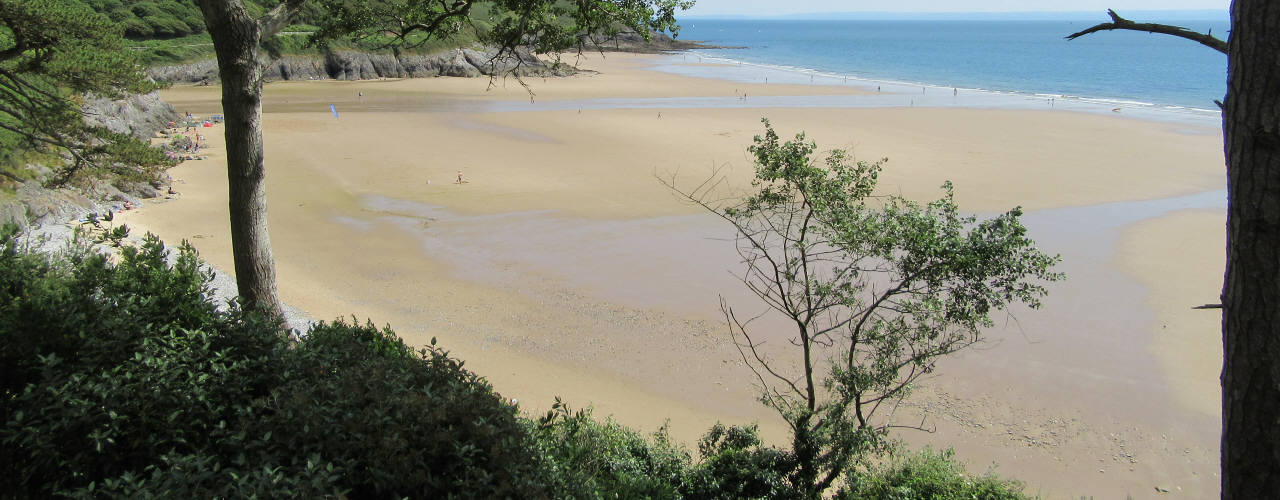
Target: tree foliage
{"points": [[52, 54], [877, 289], [542, 26]]}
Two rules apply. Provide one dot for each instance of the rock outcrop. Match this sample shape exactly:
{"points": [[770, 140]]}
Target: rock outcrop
{"points": [[351, 65], [33, 204], [140, 116]]}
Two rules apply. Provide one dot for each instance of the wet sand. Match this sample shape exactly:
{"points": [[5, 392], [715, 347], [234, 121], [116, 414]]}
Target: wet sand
{"points": [[563, 267]]}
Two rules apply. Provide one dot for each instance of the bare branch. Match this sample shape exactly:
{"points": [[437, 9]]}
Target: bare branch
{"points": [[753, 347], [1120, 23], [276, 19]]}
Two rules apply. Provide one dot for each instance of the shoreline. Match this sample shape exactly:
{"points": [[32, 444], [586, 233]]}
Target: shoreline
{"points": [[562, 268], [898, 93]]}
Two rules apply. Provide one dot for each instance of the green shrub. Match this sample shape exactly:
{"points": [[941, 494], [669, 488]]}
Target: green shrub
{"points": [[736, 465], [90, 313], [127, 380], [395, 422], [607, 460], [928, 475]]}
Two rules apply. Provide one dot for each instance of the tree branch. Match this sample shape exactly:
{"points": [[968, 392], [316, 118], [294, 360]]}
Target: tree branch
{"points": [[276, 19], [1120, 23]]}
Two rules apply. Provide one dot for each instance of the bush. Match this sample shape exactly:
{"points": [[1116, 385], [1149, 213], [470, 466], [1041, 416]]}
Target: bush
{"points": [[928, 475], [398, 423], [736, 465], [126, 380], [607, 460], [89, 313]]}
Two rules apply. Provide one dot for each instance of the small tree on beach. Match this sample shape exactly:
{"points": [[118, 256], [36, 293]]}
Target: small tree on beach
{"points": [[875, 289], [1250, 316], [238, 35]]}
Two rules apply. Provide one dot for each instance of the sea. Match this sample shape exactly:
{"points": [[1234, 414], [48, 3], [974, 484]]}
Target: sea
{"points": [[1000, 63]]}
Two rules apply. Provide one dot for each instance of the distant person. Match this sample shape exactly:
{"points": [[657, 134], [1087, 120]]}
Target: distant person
{"points": [[459, 177], [955, 92]]}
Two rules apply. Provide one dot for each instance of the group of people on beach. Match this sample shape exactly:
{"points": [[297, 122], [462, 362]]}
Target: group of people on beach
{"points": [[185, 145]]}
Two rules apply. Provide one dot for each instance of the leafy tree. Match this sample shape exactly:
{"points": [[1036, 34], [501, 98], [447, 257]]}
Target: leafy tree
{"points": [[876, 289], [1250, 318], [237, 38], [52, 53]]}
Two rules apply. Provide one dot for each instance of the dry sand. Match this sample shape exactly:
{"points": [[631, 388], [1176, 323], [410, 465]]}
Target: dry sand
{"points": [[563, 267]]}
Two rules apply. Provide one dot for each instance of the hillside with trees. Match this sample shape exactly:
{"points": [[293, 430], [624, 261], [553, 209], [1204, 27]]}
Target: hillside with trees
{"points": [[147, 19]]}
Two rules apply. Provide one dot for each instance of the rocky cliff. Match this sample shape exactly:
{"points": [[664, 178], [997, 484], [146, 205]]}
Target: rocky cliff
{"points": [[140, 116], [32, 203], [349, 65]]}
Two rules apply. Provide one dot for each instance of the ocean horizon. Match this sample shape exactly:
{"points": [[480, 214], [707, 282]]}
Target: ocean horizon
{"points": [[1023, 58]]}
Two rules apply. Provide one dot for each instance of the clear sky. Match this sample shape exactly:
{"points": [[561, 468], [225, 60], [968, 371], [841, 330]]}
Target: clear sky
{"points": [[783, 7]]}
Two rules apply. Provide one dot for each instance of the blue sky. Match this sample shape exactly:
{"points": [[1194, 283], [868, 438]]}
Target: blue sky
{"points": [[785, 7]]}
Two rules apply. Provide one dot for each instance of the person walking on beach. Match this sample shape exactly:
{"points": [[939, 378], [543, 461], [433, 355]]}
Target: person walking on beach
{"points": [[459, 177]]}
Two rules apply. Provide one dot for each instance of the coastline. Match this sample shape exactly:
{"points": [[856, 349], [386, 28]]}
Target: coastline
{"points": [[1004, 56], [897, 93], [564, 268]]}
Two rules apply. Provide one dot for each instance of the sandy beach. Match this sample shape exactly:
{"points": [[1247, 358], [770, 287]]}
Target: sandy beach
{"points": [[564, 267]]}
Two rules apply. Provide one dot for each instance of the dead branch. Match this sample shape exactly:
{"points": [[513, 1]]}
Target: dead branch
{"points": [[1120, 23]]}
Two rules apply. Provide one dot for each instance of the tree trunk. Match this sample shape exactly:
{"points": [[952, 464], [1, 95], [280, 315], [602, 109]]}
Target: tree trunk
{"points": [[1251, 294], [236, 36]]}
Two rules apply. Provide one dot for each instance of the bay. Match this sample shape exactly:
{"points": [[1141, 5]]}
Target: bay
{"points": [[1028, 57]]}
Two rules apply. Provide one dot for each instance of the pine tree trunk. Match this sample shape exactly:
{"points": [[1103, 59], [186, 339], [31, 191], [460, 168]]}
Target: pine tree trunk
{"points": [[236, 36], [1251, 294]]}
